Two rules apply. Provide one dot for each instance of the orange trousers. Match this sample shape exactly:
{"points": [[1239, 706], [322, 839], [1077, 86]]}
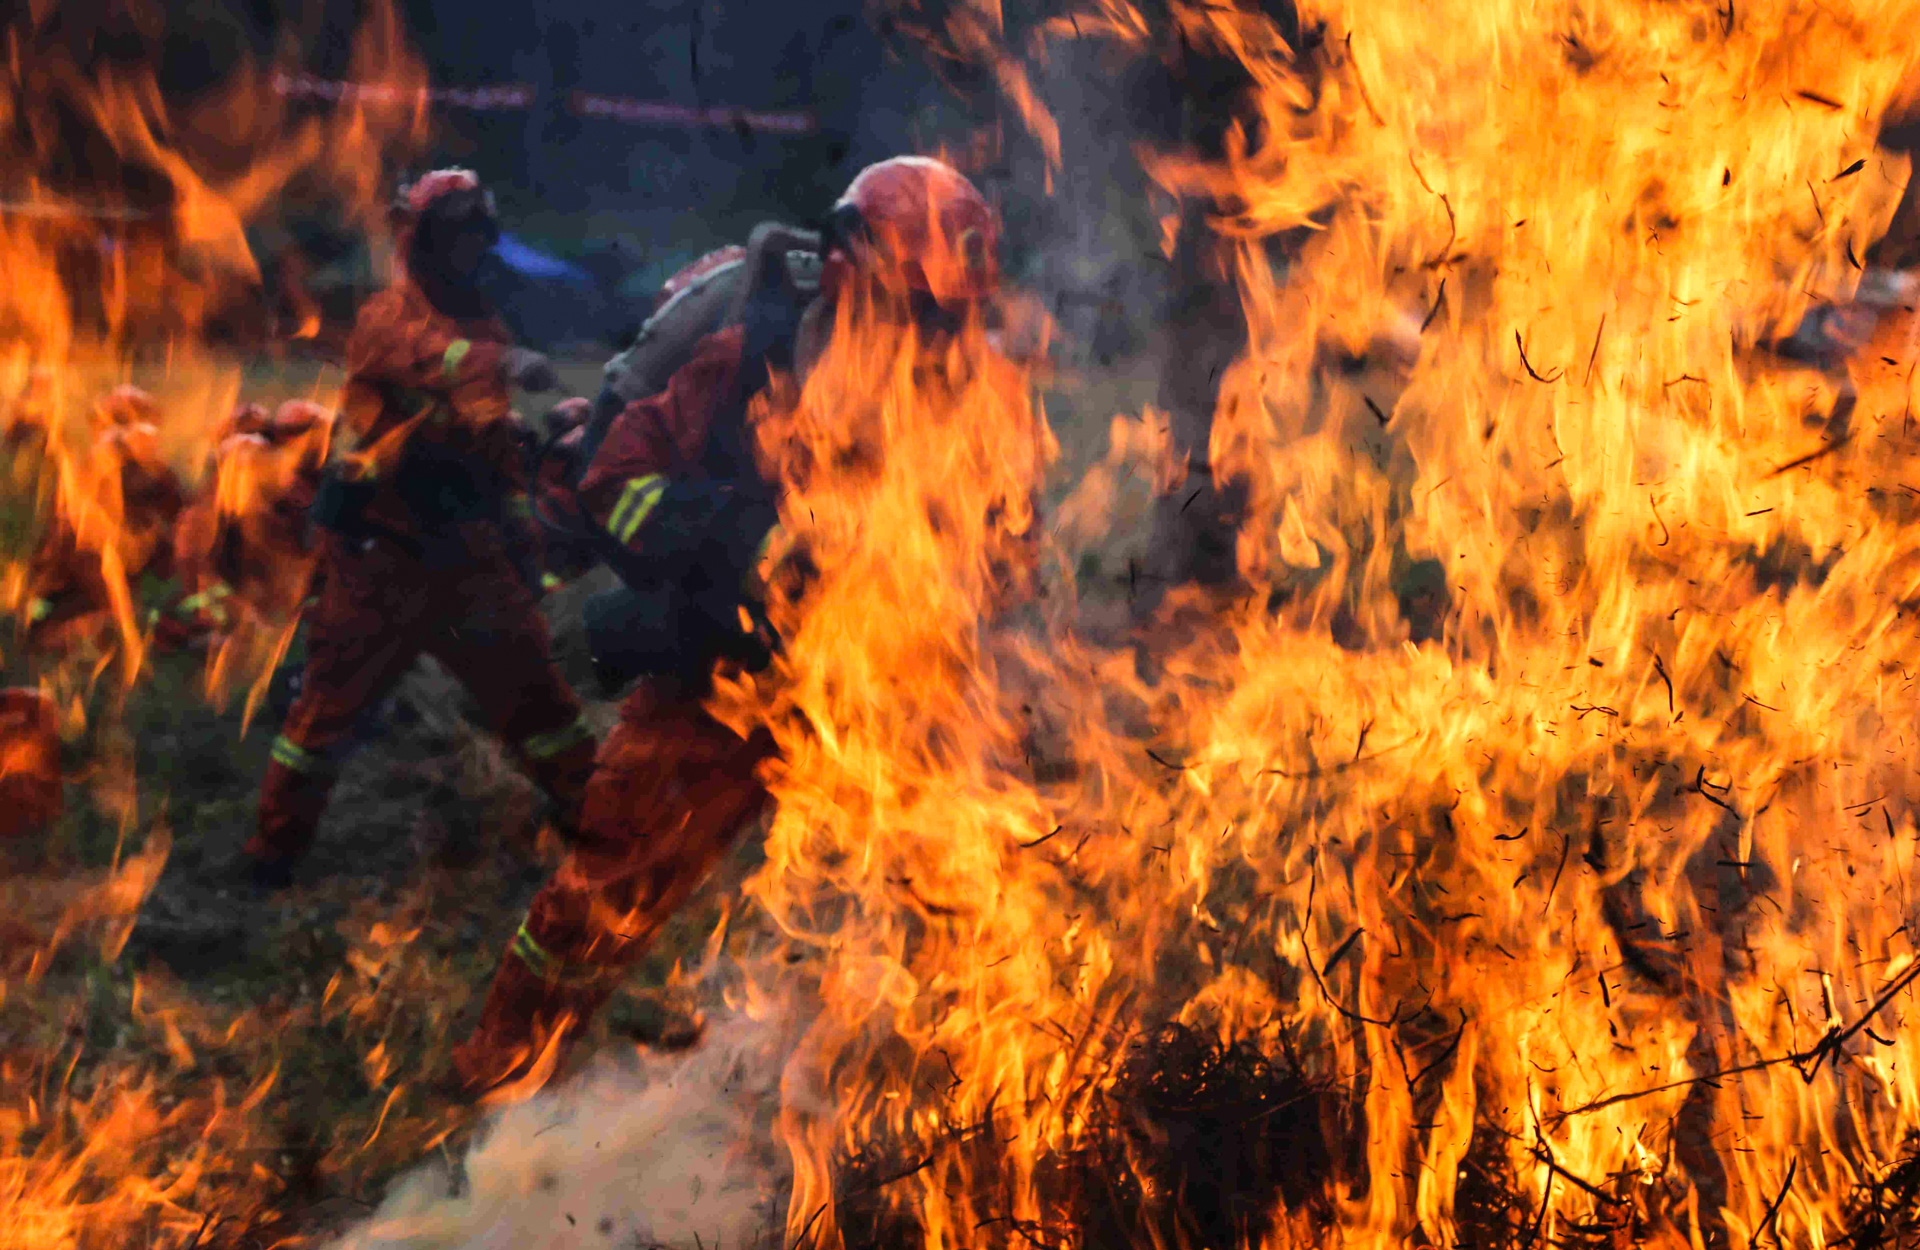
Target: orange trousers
{"points": [[379, 609], [671, 790]]}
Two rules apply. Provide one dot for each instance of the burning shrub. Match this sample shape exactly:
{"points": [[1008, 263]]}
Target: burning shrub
{"points": [[1201, 1142], [1196, 1141], [1885, 1211]]}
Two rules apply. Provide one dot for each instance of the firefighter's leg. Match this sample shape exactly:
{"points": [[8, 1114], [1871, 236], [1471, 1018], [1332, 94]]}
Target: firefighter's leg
{"points": [[359, 645], [671, 791], [501, 652]]}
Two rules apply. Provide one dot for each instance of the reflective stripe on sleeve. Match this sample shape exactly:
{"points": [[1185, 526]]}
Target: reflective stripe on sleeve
{"points": [[637, 500], [456, 352], [547, 745], [534, 955], [209, 601]]}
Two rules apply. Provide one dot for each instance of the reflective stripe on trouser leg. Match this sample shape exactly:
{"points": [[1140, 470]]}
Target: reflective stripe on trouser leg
{"points": [[547, 745], [292, 801], [556, 971], [292, 755]]}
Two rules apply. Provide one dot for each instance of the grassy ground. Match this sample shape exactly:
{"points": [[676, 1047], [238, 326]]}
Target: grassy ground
{"points": [[279, 1053]]}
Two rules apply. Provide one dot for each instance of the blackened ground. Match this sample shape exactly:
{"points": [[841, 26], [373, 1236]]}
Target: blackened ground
{"points": [[1195, 1142]]}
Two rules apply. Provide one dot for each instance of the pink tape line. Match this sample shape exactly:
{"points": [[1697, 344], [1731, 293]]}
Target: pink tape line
{"points": [[654, 113], [518, 97]]}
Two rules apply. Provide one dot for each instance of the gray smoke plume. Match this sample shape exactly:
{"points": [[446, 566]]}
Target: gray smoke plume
{"points": [[659, 1152]]}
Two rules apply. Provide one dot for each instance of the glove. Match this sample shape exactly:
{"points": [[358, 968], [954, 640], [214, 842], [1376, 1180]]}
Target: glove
{"points": [[783, 561], [339, 502], [645, 631], [708, 534], [531, 371], [754, 582], [569, 414]]}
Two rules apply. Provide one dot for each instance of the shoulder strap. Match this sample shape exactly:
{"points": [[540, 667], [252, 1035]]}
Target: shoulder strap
{"points": [[772, 325]]}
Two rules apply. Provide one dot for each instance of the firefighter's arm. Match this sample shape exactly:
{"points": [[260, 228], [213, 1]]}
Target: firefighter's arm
{"points": [[649, 437], [686, 528], [709, 534], [398, 344]]}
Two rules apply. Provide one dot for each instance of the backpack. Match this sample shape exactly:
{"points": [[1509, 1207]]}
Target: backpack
{"points": [[665, 620], [693, 303]]}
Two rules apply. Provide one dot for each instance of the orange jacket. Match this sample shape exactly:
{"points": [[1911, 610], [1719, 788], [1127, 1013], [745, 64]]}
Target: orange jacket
{"points": [[660, 437], [419, 378]]}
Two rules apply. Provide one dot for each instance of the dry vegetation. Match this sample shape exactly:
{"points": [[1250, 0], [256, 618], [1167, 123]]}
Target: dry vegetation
{"points": [[274, 1058]]}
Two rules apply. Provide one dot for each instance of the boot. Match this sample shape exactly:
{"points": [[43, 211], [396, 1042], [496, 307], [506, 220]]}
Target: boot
{"points": [[526, 1030], [292, 802]]}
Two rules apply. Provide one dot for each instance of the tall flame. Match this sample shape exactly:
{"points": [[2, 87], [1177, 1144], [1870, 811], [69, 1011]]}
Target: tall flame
{"points": [[123, 218], [123, 233], [1611, 870]]}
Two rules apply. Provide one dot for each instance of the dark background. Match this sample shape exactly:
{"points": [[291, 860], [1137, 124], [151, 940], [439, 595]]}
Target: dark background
{"points": [[634, 202], [822, 56]]}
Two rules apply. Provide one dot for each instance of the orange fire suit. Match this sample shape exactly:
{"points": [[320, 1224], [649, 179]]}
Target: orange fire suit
{"points": [[427, 565], [671, 789], [30, 789], [246, 543], [136, 493]]}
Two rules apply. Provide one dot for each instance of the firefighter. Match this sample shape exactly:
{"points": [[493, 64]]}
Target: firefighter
{"points": [[246, 547], [674, 494], [427, 543], [129, 503]]}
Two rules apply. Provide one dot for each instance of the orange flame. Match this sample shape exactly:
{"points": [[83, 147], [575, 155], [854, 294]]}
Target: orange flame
{"points": [[1639, 815], [100, 291], [122, 229]]}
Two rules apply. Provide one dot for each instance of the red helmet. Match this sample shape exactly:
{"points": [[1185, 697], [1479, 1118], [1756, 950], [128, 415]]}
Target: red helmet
{"points": [[248, 418], [446, 196], [918, 224], [234, 444], [431, 188], [126, 405], [297, 416]]}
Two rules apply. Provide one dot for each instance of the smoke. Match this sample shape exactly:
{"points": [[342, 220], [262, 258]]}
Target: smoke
{"points": [[651, 1152]]}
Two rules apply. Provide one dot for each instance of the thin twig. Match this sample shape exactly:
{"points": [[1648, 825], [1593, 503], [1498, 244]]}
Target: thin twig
{"points": [[1566, 844], [1313, 885], [1444, 1055], [1439, 301], [1812, 456], [1528, 365], [1773, 1208], [202, 1232], [1331, 769], [1829, 1044]]}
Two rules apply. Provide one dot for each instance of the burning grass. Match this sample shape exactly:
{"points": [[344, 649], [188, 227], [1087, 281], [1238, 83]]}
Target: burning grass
{"points": [[237, 1072], [1515, 851]]}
